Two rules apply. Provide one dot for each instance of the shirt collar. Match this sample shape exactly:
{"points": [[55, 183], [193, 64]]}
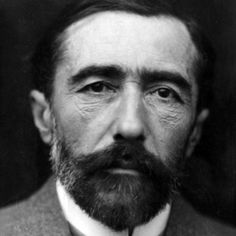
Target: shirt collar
{"points": [[89, 227]]}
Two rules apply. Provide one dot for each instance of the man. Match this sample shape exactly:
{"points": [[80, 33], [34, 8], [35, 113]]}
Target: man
{"points": [[121, 98]]}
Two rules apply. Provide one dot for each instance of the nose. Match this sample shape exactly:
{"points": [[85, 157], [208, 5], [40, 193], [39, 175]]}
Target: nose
{"points": [[130, 119]]}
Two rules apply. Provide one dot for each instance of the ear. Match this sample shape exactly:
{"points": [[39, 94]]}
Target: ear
{"points": [[196, 132], [41, 115]]}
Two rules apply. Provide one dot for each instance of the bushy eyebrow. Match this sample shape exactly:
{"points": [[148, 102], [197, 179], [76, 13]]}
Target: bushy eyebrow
{"points": [[166, 76], [146, 76], [113, 72]]}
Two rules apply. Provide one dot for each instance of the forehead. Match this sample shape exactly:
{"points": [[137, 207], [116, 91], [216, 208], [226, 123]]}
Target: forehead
{"points": [[131, 41]]}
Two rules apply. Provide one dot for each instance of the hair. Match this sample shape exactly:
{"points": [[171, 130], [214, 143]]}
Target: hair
{"points": [[49, 51]]}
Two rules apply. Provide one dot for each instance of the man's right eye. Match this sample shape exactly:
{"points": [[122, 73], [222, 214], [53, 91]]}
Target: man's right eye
{"points": [[97, 87]]}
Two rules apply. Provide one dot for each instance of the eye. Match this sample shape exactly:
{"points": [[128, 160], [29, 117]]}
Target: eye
{"points": [[98, 87], [164, 92]]}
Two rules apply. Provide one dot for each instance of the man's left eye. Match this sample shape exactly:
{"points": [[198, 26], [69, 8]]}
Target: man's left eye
{"points": [[164, 92]]}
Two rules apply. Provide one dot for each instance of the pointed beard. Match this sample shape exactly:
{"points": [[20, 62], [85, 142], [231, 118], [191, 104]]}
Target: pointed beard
{"points": [[118, 200]]}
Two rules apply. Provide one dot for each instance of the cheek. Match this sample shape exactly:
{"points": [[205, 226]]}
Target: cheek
{"points": [[177, 141], [70, 127], [82, 124], [170, 130]]}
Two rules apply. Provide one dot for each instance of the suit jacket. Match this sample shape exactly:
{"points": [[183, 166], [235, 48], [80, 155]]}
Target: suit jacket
{"points": [[41, 215]]}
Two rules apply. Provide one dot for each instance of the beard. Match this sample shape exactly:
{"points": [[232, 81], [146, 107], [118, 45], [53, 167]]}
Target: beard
{"points": [[118, 200]]}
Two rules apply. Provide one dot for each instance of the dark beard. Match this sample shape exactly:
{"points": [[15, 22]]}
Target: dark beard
{"points": [[120, 201]]}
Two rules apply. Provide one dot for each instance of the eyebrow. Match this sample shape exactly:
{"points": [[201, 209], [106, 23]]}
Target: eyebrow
{"points": [[109, 72], [166, 76], [115, 72]]}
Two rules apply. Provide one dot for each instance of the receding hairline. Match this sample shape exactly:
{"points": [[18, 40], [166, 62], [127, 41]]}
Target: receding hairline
{"points": [[78, 24], [87, 19], [84, 22]]}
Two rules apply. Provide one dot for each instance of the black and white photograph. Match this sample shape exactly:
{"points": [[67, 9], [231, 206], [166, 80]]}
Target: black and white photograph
{"points": [[117, 118]]}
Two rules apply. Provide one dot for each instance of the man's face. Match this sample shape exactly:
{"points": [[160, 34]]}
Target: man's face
{"points": [[124, 114]]}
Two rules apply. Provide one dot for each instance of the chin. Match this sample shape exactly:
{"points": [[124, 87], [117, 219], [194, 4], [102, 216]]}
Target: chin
{"points": [[119, 201], [122, 186]]}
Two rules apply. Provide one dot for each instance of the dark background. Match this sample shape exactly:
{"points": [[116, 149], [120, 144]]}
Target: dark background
{"points": [[211, 185]]}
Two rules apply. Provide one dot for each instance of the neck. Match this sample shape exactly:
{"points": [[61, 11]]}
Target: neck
{"points": [[81, 222]]}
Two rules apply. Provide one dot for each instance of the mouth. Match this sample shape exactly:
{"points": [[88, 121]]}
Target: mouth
{"points": [[123, 171], [126, 167]]}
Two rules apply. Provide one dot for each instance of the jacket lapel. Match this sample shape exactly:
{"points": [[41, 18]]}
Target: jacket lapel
{"points": [[48, 211]]}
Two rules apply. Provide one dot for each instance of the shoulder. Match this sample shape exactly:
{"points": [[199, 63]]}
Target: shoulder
{"points": [[40, 214], [185, 220]]}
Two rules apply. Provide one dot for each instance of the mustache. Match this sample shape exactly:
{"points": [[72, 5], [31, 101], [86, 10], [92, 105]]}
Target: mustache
{"points": [[124, 155]]}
